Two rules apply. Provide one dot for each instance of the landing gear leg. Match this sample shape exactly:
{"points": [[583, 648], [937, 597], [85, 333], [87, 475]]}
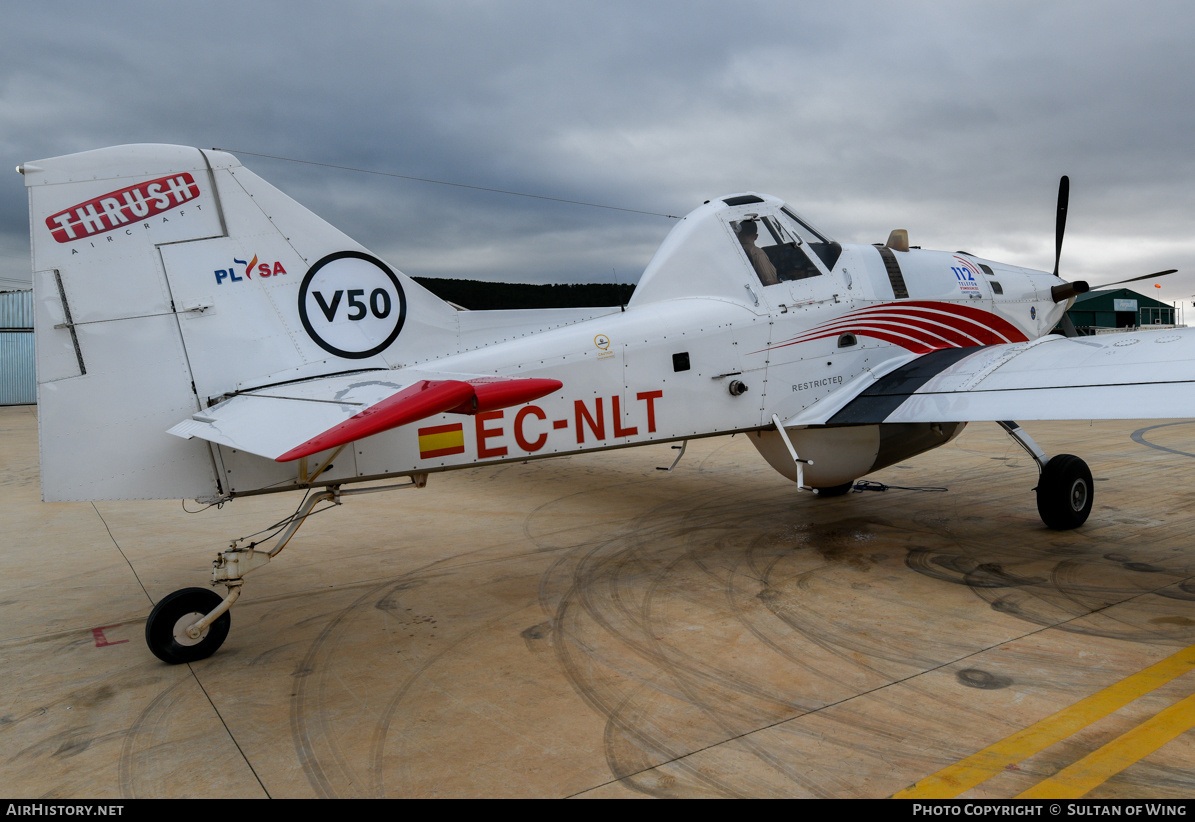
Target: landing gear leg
{"points": [[192, 624], [1064, 490]]}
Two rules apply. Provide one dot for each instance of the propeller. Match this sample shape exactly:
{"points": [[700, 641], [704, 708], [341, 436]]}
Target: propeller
{"points": [[1065, 291]]}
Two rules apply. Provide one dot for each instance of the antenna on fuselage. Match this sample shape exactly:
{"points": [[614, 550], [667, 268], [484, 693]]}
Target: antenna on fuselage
{"points": [[618, 290]]}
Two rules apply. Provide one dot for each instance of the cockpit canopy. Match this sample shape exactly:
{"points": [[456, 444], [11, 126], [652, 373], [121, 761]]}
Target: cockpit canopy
{"points": [[736, 243]]}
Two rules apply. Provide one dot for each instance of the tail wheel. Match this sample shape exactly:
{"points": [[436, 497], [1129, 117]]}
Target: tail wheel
{"points": [[1065, 492], [166, 628]]}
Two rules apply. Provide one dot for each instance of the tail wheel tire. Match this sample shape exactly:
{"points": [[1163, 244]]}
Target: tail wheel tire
{"points": [[166, 628], [1065, 492]]}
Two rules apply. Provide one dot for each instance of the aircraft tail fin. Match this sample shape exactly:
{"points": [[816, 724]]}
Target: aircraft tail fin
{"points": [[168, 277]]}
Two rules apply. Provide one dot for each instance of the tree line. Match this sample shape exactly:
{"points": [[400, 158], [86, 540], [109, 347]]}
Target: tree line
{"points": [[477, 295]]}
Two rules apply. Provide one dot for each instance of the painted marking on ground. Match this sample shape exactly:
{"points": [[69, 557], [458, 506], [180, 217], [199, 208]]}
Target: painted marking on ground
{"points": [[979, 767], [1099, 766]]}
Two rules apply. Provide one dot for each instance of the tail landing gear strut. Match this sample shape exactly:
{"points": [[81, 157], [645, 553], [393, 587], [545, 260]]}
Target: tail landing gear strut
{"points": [[1064, 488], [192, 623]]}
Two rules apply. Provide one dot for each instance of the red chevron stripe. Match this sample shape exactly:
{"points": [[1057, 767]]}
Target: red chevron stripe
{"points": [[960, 332], [933, 336], [998, 325], [982, 325], [904, 342], [934, 324]]}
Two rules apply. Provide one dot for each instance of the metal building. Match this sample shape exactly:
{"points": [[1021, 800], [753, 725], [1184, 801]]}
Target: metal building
{"points": [[1099, 311], [18, 381]]}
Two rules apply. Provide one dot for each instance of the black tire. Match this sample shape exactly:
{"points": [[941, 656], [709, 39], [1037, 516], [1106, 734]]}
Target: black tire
{"points": [[835, 490], [170, 618], [1065, 492]]}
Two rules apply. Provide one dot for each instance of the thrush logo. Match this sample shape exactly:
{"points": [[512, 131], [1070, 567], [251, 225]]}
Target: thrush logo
{"points": [[117, 209]]}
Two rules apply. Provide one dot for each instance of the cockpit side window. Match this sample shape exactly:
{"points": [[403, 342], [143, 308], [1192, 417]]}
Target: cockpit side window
{"points": [[773, 250]]}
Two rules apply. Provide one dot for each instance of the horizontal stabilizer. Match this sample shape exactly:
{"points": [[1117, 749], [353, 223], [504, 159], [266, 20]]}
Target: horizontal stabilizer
{"points": [[294, 420], [426, 399]]}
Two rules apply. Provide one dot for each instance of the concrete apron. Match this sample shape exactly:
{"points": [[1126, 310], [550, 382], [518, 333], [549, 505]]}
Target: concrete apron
{"points": [[591, 626]]}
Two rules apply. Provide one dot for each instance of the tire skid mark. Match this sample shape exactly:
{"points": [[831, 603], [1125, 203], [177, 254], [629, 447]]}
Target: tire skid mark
{"points": [[317, 721], [701, 686], [614, 606], [1076, 593], [629, 618], [142, 742], [382, 732], [327, 769]]}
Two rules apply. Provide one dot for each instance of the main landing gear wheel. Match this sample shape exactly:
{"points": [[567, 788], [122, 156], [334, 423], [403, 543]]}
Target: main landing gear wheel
{"points": [[166, 628], [1064, 492]]}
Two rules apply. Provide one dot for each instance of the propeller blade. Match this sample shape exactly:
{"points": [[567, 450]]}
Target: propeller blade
{"points": [[1142, 277], [1064, 195]]}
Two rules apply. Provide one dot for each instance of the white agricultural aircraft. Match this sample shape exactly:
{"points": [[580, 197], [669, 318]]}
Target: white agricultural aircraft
{"points": [[201, 335]]}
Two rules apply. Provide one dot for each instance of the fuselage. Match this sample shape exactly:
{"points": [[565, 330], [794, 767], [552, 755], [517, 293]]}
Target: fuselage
{"points": [[709, 346], [195, 325]]}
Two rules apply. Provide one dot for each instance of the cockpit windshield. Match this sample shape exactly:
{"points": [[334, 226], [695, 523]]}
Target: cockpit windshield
{"points": [[826, 249]]}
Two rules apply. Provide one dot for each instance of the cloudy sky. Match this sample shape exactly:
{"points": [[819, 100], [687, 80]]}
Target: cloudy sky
{"points": [[953, 120]]}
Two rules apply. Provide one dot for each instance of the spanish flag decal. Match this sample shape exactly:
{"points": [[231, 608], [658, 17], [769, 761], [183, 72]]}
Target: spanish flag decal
{"points": [[441, 441]]}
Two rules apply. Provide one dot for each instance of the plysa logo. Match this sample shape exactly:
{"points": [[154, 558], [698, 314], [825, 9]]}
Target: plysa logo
{"points": [[262, 270], [119, 208], [352, 305]]}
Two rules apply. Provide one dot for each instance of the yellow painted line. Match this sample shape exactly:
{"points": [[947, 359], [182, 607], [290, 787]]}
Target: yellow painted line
{"points": [[979, 767], [1098, 766]]}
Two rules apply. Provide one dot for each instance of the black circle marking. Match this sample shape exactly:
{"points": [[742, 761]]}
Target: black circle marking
{"points": [[360, 299], [984, 680]]}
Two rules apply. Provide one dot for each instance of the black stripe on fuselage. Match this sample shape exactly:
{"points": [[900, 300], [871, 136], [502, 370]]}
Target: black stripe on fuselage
{"points": [[895, 276], [885, 396]]}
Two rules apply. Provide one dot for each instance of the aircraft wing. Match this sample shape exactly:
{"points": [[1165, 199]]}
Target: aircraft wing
{"points": [[293, 420], [1147, 375]]}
